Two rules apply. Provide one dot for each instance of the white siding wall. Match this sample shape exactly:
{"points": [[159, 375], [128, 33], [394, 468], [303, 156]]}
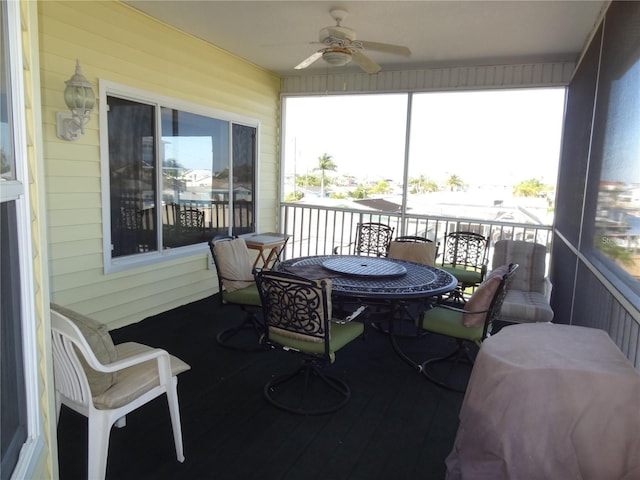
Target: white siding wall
{"points": [[433, 79], [117, 43]]}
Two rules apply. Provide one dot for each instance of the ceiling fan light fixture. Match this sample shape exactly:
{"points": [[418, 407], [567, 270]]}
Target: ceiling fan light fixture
{"points": [[337, 57]]}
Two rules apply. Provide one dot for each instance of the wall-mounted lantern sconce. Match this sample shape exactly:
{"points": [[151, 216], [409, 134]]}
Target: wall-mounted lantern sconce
{"points": [[80, 99]]}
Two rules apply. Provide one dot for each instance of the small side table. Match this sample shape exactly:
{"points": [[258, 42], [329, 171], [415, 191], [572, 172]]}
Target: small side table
{"points": [[269, 246]]}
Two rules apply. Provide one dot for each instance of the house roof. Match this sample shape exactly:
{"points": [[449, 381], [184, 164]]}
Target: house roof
{"points": [[379, 204]]}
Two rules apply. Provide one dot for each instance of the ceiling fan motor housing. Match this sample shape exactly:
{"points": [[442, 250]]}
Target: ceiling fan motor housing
{"points": [[336, 56], [345, 33]]}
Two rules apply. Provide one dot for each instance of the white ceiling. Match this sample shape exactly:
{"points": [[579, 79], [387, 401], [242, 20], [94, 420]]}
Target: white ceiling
{"points": [[278, 35]]}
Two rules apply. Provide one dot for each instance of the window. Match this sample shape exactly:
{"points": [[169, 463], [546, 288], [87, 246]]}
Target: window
{"points": [[486, 154], [13, 390], [616, 148], [490, 154], [178, 175], [20, 438], [345, 148]]}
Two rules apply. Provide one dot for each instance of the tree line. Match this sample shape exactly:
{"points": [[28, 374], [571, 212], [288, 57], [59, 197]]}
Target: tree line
{"points": [[420, 184]]}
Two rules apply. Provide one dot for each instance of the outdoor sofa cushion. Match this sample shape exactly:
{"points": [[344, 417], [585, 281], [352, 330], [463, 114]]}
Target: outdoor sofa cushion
{"points": [[523, 307]]}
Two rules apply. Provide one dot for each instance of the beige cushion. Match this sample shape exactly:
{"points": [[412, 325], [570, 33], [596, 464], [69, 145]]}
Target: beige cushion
{"points": [[234, 264], [531, 260], [523, 307], [134, 381], [481, 299], [424, 253], [98, 337]]}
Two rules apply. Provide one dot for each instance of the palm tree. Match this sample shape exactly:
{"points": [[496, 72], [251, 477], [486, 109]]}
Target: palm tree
{"points": [[532, 187], [325, 162], [381, 187], [421, 184], [454, 182], [359, 193]]}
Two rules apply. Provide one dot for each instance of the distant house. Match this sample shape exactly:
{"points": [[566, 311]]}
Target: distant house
{"points": [[379, 204]]}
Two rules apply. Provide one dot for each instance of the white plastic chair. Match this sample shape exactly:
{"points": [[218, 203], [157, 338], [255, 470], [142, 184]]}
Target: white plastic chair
{"points": [[139, 375]]}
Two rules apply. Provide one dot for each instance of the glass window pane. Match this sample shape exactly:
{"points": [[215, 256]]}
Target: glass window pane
{"points": [[7, 158], [244, 161], [617, 146], [175, 176], [12, 388], [485, 155], [348, 148], [195, 178], [132, 165]]}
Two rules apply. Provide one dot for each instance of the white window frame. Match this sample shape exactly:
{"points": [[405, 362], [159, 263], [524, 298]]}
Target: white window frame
{"points": [[17, 191], [109, 88]]}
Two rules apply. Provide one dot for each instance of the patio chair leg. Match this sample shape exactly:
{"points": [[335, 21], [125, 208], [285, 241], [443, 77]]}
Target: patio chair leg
{"points": [[250, 322]]}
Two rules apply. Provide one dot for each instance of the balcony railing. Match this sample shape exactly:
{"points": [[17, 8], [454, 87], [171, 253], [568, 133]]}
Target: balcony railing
{"points": [[318, 230]]}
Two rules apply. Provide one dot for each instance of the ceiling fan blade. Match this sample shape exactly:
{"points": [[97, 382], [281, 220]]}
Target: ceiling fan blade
{"points": [[386, 48], [364, 62], [309, 60]]}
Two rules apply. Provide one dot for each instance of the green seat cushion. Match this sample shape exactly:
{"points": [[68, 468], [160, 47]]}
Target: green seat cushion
{"points": [[464, 276], [98, 337], [340, 335], [449, 322], [244, 296]]}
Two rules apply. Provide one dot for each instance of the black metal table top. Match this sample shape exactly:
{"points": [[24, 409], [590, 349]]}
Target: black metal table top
{"points": [[418, 281]]}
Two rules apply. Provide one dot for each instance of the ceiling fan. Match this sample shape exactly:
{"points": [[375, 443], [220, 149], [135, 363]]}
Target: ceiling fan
{"points": [[342, 47]]}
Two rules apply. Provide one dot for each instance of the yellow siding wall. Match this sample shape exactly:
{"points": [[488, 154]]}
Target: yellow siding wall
{"points": [[117, 43]]}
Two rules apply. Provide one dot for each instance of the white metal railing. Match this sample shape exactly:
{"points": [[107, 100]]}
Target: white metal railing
{"points": [[318, 230]]}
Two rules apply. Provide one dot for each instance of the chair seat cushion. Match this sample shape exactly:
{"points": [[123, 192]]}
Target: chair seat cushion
{"points": [[465, 277], [524, 307], [134, 381], [341, 335], [424, 253], [243, 296], [234, 264], [449, 322], [98, 337]]}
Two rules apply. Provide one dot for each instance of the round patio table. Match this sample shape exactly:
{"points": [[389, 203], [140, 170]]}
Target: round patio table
{"points": [[373, 281], [395, 279]]}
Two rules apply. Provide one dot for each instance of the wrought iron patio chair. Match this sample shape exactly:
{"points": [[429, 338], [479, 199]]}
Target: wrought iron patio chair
{"points": [[297, 317], [237, 286], [465, 257], [191, 220], [468, 325], [414, 249], [372, 239]]}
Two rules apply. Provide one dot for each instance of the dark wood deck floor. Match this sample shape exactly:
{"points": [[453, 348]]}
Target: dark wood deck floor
{"points": [[397, 425]]}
